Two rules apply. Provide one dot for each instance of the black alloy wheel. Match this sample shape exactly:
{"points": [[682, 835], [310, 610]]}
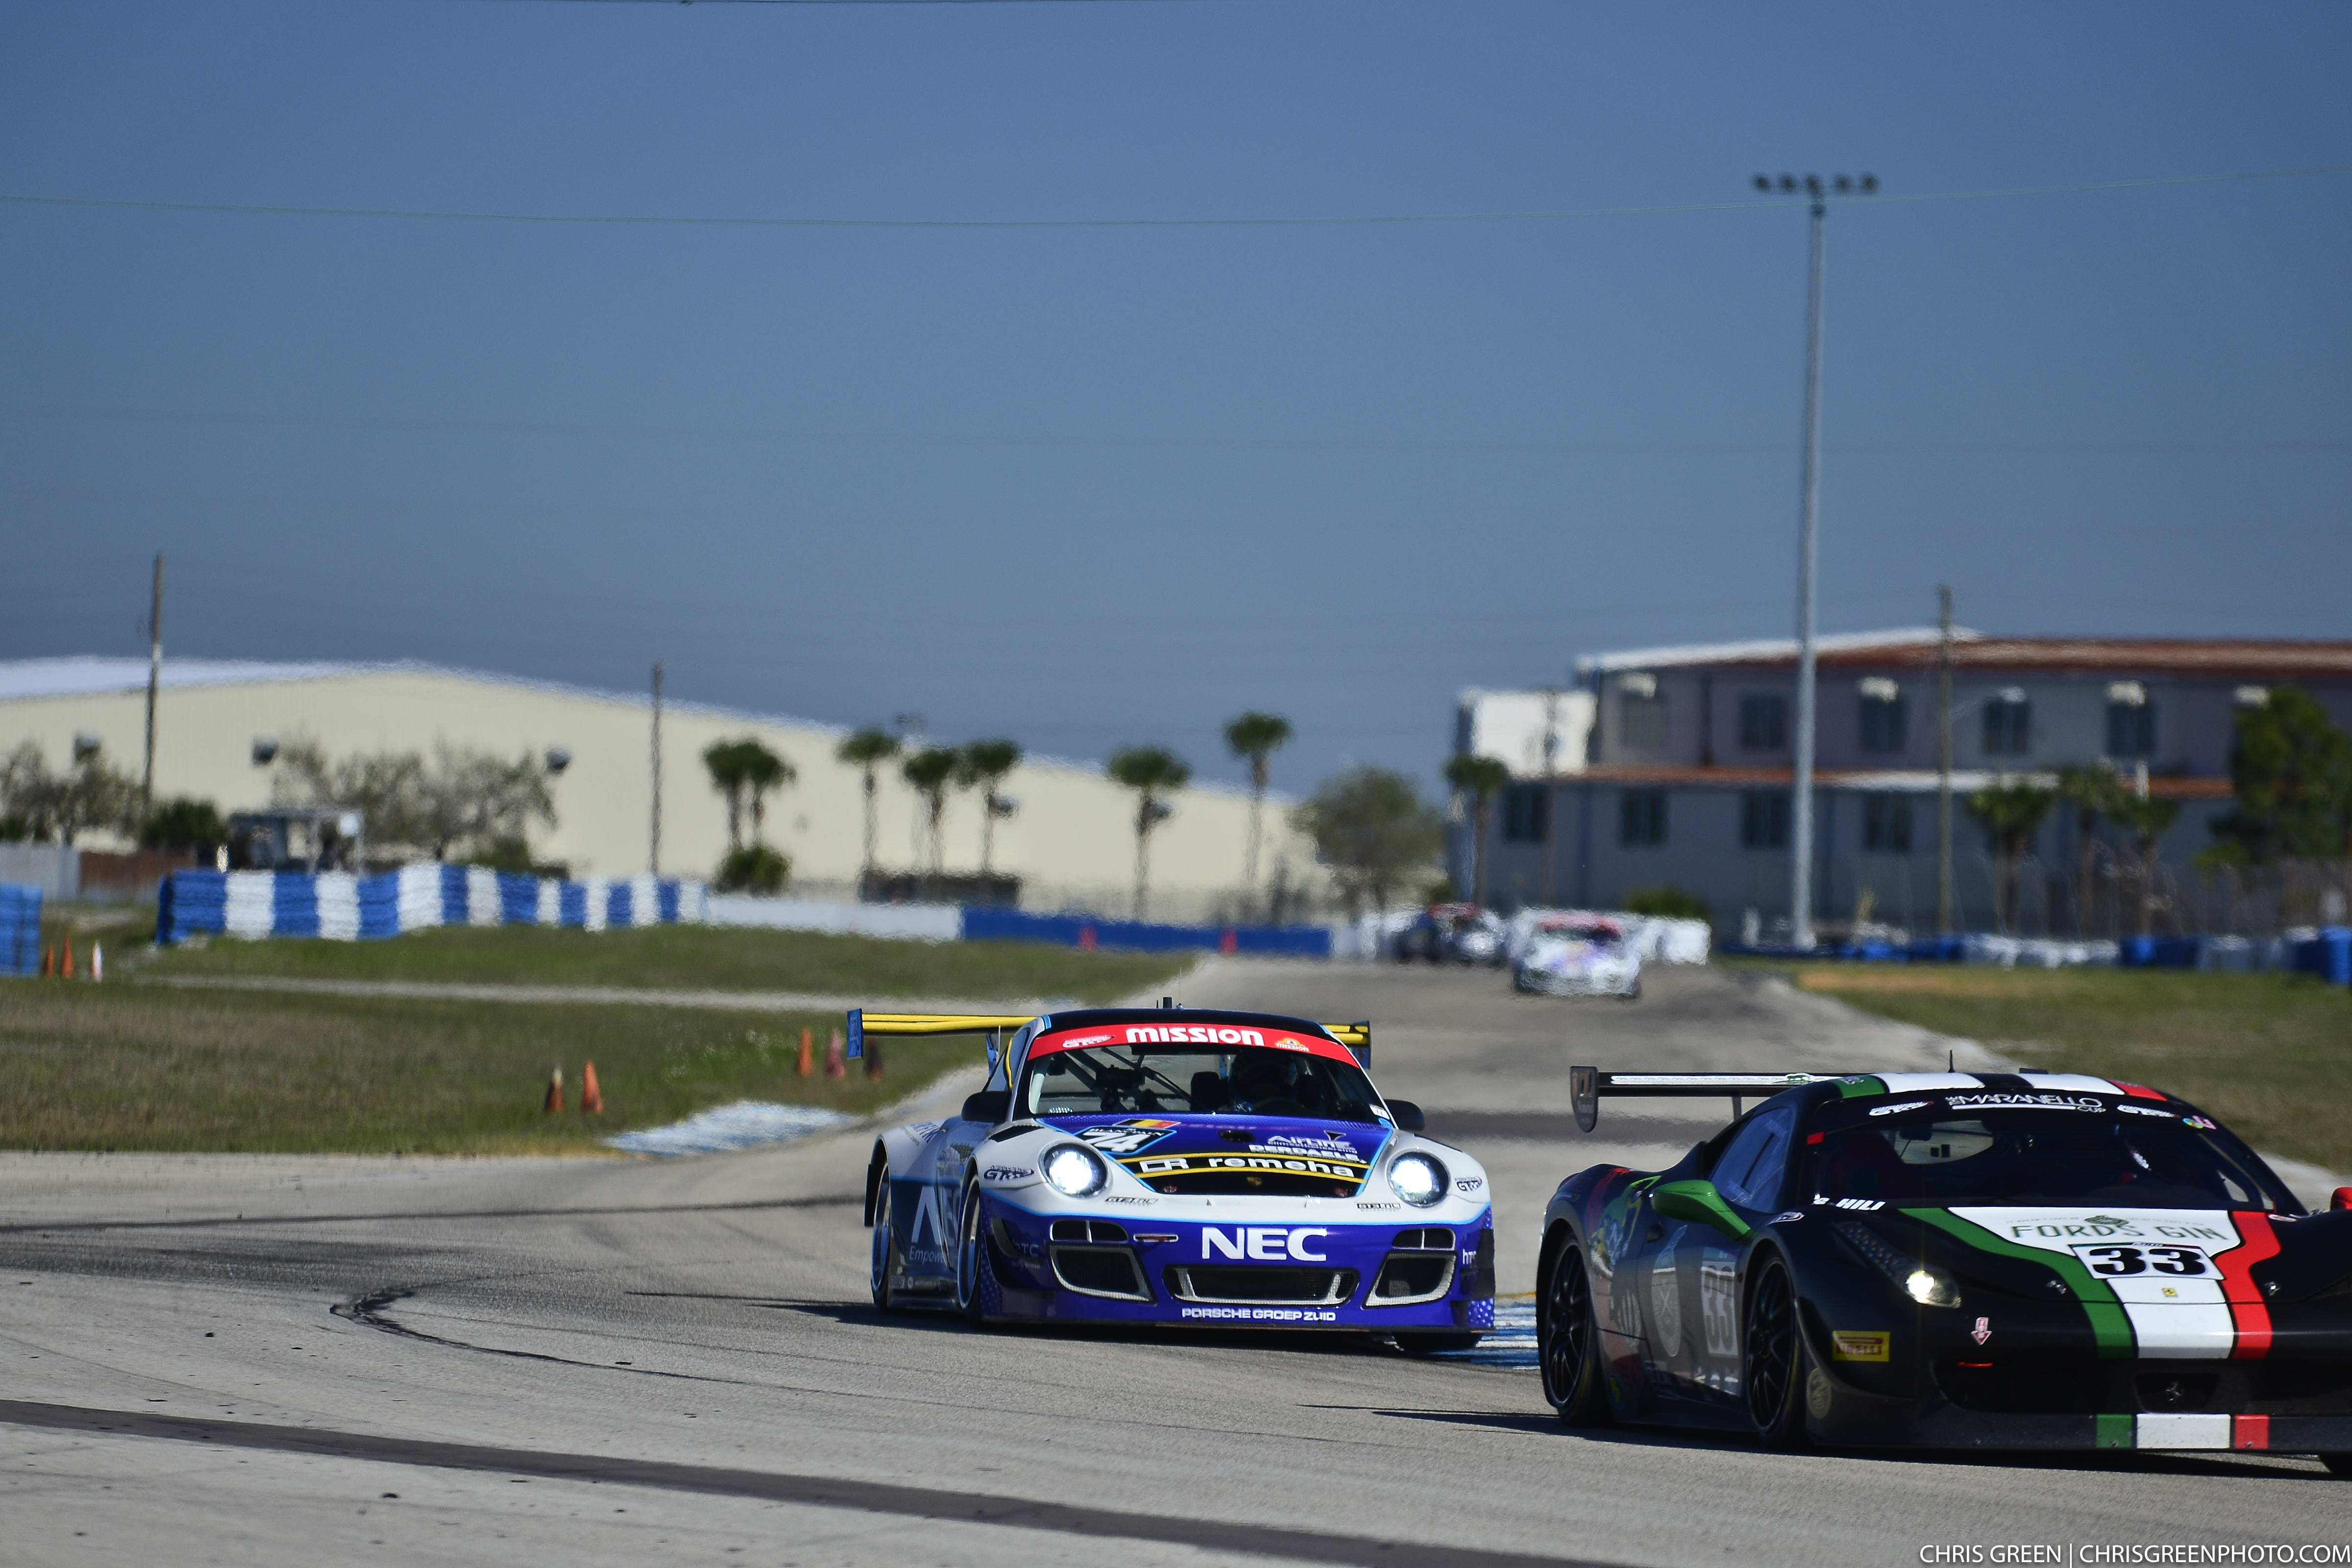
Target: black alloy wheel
{"points": [[885, 1247], [1568, 1343], [1773, 1363]]}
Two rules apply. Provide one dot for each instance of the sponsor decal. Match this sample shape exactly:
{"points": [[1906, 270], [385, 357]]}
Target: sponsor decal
{"points": [[2070, 1229], [1148, 1238], [1820, 1395], [1982, 1332], [2202, 1123], [1860, 1205], [1288, 1044], [1820, 1198], [1263, 1314], [1196, 1034], [1856, 1344], [1667, 1298], [1177, 1164], [1116, 1199], [1791, 1217], [1469, 1184], [1084, 1040], [1285, 1143], [1379, 1205], [2144, 1110], [1898, 1109], [1006, 1173], [2000, 1100], [1127, 1137], [1264, 1243]]}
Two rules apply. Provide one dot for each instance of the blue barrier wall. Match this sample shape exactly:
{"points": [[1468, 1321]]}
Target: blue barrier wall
{"points": [[984, 924], [20, 929], [296, 904]]}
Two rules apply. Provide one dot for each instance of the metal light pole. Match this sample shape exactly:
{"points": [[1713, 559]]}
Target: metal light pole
{"points": [[1801, 827], [653, 854], [1943, 761]]}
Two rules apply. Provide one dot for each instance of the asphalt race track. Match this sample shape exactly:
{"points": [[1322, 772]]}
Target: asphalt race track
{"points": [[305, 1360]]}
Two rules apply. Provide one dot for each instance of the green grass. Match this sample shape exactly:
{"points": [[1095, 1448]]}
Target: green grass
{"points": [[2269, 1054], [121, 1068], [693, 958]]}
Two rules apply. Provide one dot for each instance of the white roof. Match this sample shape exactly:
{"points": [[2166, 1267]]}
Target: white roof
{"points": [[1764, 648]]}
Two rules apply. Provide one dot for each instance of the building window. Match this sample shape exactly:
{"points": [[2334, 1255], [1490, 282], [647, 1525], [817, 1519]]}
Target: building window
{"points": [[1764, 819], [1763, 723], [1885, 728], [2008, 724], [2131, 723], [1886, 824], [1642, 818], [1526, 813], [1641, 713]]}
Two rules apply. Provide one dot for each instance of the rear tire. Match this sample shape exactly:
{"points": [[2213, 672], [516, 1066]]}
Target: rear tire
{"points": [[1568, 1343], [1774, 1363], [1431, 1343], [885, 1266]]}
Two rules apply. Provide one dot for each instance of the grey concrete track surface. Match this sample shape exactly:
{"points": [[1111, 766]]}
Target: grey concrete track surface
{"points": [[277, 1360]]}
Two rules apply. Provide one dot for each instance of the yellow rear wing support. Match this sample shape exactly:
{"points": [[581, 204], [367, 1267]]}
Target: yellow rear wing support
{"points": [[1357, 1038]]}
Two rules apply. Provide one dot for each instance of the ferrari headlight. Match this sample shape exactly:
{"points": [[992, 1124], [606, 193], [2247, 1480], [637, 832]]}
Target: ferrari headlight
{"points": [[1417, 1179], [1075, 1171], [1931, 1288]]}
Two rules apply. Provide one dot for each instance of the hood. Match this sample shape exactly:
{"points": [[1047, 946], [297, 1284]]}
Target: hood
{"points": [[1273, 1154]]}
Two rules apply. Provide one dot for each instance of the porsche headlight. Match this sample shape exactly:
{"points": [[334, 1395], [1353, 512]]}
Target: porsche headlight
{"points": [[1417, 1179], [1074, 1171]]}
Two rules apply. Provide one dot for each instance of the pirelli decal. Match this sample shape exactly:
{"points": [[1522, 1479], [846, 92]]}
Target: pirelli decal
{"points": [[1150, 1167]]}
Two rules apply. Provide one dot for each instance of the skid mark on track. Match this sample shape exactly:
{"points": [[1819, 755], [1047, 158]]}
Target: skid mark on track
{"points": [[425, 1215]]}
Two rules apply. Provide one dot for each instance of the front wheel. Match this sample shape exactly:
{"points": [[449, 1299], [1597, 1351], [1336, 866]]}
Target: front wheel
{"points": [[1775, 1367], [974, 1278], [1431, 1343], [1568, 1343]]}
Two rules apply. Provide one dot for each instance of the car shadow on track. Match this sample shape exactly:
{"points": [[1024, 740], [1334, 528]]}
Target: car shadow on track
{"points": [[1322, 1343]]}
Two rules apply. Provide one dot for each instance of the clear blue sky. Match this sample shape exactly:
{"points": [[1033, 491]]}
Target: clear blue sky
{"points": [[1090, 485]]}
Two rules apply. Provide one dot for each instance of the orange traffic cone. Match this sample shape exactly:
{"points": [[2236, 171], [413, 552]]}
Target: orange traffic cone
{"points": [[804, 1067], [65, 965], [835, 1064], [592, 1099], [48, 962], [553, 1105], [1086, 939]]}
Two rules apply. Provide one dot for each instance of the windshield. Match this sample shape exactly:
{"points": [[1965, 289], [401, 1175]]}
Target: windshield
{"points": [[1251, 1080], [2087, 1151]]}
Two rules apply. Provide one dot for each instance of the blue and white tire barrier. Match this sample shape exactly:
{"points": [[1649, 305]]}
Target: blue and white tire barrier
{"points": [[340, 907], [20, 929]]}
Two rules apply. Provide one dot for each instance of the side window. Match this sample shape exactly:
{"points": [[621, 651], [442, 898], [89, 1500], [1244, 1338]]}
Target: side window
{"points": [[1750, 1171]]}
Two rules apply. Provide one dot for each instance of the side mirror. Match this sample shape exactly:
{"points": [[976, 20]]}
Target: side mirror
{"points": [[1699, 1202], [990, 1106], [1408, 1115], [2341, 1200]]}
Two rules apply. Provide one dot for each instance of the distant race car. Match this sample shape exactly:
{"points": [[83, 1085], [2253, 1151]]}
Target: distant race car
{"points": [[1453, 933], [1180, 1167], [1951, 1260], [1579, 955]]}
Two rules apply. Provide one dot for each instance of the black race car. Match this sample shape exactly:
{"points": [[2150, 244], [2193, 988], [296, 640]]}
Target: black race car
{"points": [[1950, 1260]]}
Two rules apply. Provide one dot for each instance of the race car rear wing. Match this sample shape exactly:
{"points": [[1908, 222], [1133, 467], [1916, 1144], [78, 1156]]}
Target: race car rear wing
{"points": [[1587, 1085], [1357, 1038]]}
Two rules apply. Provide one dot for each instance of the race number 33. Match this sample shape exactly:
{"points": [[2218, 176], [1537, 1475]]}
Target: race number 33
{"points": [[2117, 1259]]}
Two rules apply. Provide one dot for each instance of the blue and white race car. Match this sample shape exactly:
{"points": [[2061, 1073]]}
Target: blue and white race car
{"points": [[1180, 1167]]}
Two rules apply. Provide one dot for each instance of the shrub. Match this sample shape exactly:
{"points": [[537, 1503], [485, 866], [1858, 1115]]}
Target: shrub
{"points": [[1666, 903], [754, 868]]}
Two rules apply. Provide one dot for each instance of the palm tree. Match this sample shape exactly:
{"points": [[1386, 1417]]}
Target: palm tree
{"points": [[866, 750], [732, 764], [931, 771], [1482, 779], [1150, 771], [2149, 820], [1257, 736], [2092, 790], [763, 772], [986, 764], [2012, 812]]}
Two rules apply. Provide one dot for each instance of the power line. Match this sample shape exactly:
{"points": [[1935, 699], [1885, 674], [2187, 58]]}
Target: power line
{"points": [[634, 220]]}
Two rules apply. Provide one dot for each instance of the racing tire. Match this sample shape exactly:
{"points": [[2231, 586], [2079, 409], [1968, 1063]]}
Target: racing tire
{"points": [[2337, 1464], [885, 1266], [1433, 1343], [1568, 1343], [1774, 1366], [975, 1274]]}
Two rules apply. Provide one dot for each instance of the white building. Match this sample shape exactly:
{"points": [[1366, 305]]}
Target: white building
{"points": [[1071, 841]]}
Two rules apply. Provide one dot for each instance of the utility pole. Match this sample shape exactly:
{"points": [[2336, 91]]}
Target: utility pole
{"points": [[154, 680], [1944, 760], [1551, 785], [653, 859], [1801, 834]]}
